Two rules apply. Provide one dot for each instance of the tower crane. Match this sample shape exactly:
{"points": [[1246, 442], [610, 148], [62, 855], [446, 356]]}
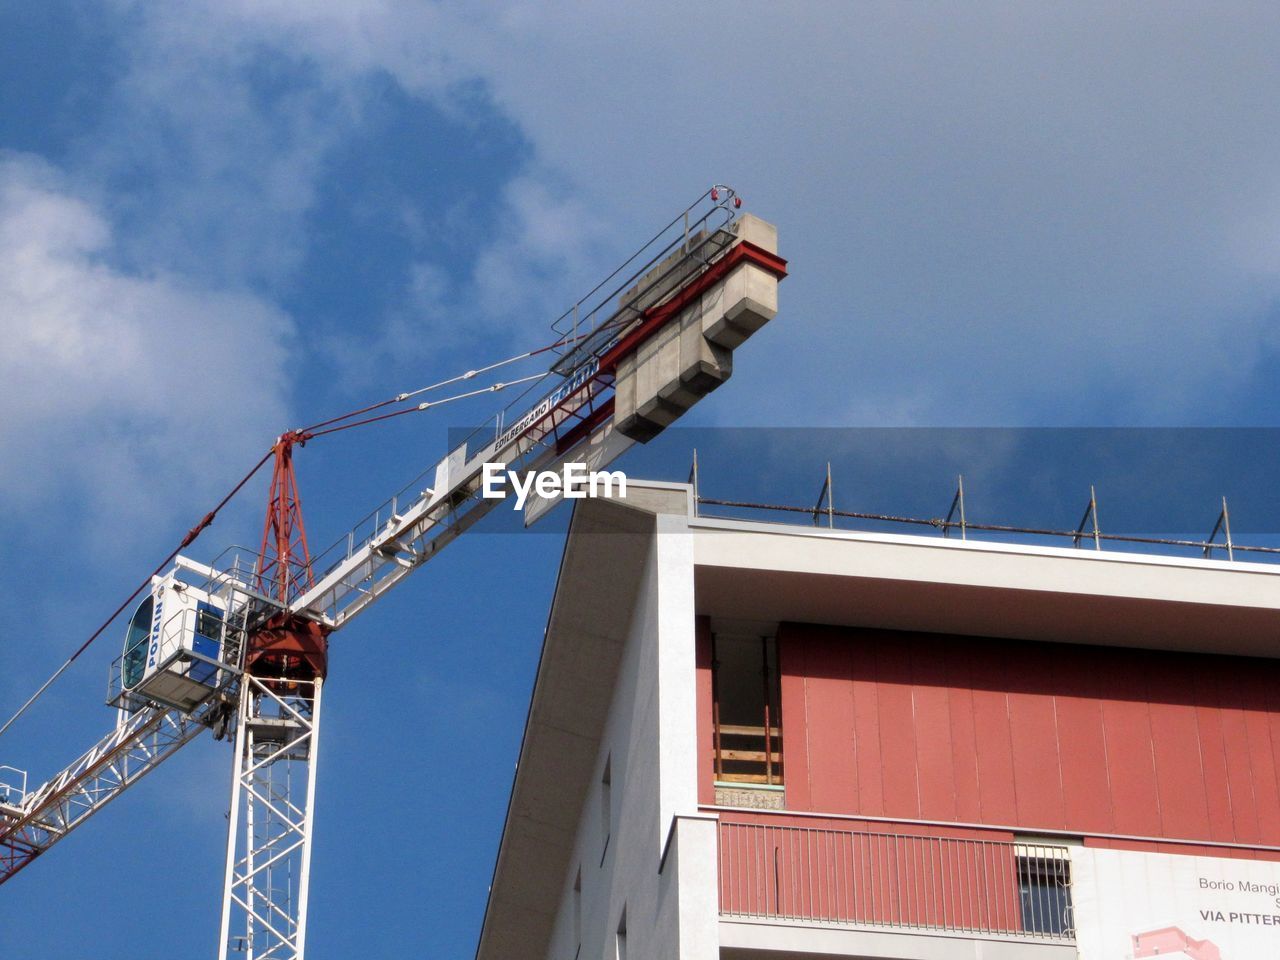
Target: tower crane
{"points": [[239, 646]]}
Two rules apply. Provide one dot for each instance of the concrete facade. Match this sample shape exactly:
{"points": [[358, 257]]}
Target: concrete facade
{"points": [[634, 867]]}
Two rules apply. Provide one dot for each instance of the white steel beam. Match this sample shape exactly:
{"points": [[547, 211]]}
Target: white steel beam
{"points": [[267, 880]]}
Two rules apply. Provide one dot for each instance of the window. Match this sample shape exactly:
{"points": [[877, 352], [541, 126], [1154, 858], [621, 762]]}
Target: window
{"points": [[747, 718], [577, 913], [622, 936], [207, 642], [135, 643], [1044, 889], [606, 805], [208, 622]]}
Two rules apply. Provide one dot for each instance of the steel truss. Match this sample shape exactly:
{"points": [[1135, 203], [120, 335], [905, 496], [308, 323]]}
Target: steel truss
{"points": [[140, 743], [264, 903]]}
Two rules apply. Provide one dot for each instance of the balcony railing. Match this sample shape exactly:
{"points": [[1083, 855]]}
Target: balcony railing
{"points": [[899, 880]]}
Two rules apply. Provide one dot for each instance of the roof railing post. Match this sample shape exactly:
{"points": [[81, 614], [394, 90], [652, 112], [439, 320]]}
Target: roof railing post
{"points": [[831, 500], [693, 479], [826, 487], [1223, 523], [1090, 514], [1226, 526], [956, 502]]}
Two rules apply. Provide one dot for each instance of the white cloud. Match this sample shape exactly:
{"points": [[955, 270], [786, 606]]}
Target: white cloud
{"points": [[548, 248], [998, 208], [208, 160], [1005, 214], [545, 255], [136, 396], [1012, 211]]}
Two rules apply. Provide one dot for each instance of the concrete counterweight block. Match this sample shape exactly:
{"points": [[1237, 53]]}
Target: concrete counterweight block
{"points": [[692, 354], [750, 294], [669, 374], [624, 399], [639, 409], [703, 364], [627, 421]]}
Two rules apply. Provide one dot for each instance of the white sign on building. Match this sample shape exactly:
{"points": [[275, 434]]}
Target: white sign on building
{"points": [[1130, 906]]}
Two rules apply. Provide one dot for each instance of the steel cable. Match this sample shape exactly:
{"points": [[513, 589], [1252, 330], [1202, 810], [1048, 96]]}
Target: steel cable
{"points": [[309, 433], [194, 532]]}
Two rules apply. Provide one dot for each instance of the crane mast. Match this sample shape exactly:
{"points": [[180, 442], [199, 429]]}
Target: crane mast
{"points": [[273, 790], [240, 646]]}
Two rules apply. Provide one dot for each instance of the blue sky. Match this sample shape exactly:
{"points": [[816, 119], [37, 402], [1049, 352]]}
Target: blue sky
{"points": [[223, 218]]}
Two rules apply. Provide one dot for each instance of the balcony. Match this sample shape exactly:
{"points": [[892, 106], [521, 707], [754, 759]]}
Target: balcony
{"points": [[895, 883]]}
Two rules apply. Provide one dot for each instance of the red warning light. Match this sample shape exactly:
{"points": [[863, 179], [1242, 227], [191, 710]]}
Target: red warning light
{"points": [[737, 202], [715, 194]]}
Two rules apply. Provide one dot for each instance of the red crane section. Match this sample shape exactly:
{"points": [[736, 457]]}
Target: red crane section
{"points": [[286, 562], [287, 646]]}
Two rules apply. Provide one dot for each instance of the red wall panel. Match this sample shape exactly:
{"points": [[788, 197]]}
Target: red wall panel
{"points": [[964, 739], [1029, 735], [1213, 758], [900, 782], [931, 706], [1235, 742], [1033, 724], [1126, 725], [793, 667], [866, 736], [1257, 719], [706, 740], [827, 681], [1171, 694], [1082, 752], [1272, 704]]}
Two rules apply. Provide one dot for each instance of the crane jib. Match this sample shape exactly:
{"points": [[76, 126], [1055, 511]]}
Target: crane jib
{"points": [[672, 316]]}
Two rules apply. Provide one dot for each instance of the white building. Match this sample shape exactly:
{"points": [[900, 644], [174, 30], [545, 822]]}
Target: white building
{"points": [[966, 749]]}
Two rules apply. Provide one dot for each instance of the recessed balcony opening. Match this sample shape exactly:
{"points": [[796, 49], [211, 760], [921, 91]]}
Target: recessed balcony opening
{"points": [[746, 720]]}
